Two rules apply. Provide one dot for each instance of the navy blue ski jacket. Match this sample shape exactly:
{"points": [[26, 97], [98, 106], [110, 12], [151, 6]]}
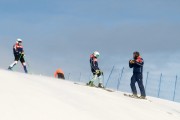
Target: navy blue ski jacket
{"points": [[94, 64], [17, 49], [137, 65]]}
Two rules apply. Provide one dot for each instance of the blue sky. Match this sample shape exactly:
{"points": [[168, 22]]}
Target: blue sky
{"points": [[63, 33]]}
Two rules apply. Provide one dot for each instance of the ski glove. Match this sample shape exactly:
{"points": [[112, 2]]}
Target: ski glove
{"points": [[97, 72], [132, 61]]}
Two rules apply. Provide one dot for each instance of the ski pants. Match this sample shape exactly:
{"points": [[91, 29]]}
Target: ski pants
{"points": [[137, 77], [61, 76], [19, 57], [97, 77], [22, 60]]}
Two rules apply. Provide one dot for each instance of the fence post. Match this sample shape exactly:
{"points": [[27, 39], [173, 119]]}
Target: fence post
{"points": [[120, 77], [160, 85], [80, 77], [103, 79], [69, 76], [109, 77], [146, 80], [175, 88]]}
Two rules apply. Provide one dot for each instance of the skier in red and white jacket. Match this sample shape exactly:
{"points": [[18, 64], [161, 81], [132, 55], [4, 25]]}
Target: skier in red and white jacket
{"points": [[18, 55], [97, 73]]}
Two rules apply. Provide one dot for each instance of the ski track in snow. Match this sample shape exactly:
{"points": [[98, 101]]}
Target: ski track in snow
{"points": [[33, 97]]}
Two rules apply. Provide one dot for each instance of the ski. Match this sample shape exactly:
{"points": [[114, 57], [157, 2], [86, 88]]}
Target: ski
{"points": [[108, 90], [135, 97], [128, 95]]}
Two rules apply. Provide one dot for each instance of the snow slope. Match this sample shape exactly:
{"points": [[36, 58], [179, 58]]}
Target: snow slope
{"points": [[32, 97]]}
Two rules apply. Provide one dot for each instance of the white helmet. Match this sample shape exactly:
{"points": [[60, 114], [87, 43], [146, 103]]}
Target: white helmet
{"points": [[19, 40], [96, 54]]}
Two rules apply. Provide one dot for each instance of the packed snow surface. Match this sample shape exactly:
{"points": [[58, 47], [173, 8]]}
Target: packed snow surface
{"points": [[33, 97]]}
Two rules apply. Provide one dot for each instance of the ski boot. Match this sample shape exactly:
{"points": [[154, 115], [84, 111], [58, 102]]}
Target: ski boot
{"points": [[91, 84], [10, 68], [100, 85], [142, 97], [133, 96], [25, 69]]}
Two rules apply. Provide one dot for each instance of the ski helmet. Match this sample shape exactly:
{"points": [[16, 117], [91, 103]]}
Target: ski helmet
{"points": [[96, 54], [19, 40]]}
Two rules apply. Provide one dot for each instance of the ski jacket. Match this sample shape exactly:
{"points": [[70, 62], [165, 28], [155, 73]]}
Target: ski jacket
{"points": [[59, 71], [94, 63], [137, 65], [17, 49]]}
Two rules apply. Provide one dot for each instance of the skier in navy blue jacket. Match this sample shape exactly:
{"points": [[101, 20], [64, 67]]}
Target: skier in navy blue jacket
{"points": [[137, 65], [95, 70], [18, 55]]}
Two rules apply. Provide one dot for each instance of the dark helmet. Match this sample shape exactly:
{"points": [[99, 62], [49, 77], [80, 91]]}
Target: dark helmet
{"points": [[136, 54]]}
